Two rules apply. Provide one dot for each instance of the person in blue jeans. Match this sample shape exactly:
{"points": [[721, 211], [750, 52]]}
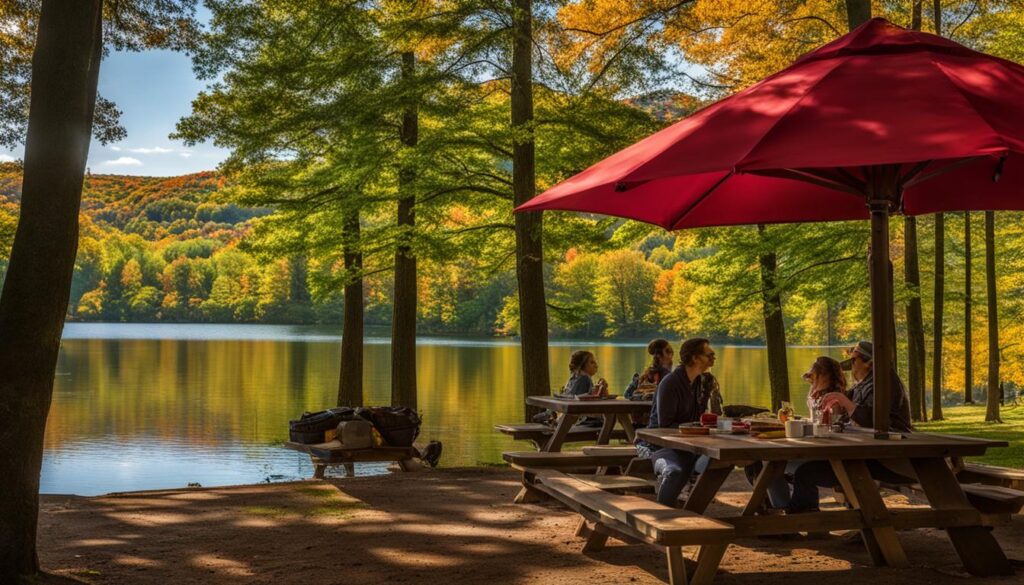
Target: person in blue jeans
{"points": [[682, 396]]}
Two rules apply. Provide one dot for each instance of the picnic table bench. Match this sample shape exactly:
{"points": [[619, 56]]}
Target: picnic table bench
{"points": [[635, 519], [540, 434], [333, 453], [991, 475]]}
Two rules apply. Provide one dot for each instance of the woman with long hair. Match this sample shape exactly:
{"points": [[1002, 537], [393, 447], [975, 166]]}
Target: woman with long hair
{"points": [[825, 376], [661, 353]]}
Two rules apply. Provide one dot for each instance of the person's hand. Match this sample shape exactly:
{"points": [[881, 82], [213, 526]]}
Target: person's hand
{"points": [[837, 400], [601, 388]]}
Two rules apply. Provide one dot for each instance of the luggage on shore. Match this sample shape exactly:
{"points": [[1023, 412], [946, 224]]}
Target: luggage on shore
{"points": [[397, 425], [312, 426]]}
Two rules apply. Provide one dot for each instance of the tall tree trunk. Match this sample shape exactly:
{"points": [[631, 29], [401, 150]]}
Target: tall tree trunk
{"points": [[968, 309], [350, 381], [915, 320], [774, 326], [940, 277], [403, 320], [533, 314], [857, 12], [992, 398], [65, 71]]}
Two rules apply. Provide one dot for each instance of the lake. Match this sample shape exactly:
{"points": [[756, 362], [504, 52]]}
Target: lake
{"points": [[148, 406]]}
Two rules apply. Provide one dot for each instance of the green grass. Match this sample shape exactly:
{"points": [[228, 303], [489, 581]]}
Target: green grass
{"points": [[268, 511], [970, 421]]}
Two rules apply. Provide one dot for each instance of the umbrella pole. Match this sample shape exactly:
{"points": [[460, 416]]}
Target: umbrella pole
{"points": [[881, 313]]}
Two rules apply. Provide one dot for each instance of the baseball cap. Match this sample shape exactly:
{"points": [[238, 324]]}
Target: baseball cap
{"points": [[866, 350]]}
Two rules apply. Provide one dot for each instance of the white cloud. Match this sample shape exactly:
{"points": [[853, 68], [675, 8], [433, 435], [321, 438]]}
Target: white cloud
{"points": [[6, 158], [154, 150], [186, 153], [124, 161], [144, 149]]}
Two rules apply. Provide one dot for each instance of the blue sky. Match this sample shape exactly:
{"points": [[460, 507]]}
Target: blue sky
{"points": [[153, 89]]}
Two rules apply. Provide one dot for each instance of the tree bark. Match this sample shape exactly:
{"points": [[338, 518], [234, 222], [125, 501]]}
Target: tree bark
{"points": [[992, 398], [857, 12], [350, 381], [940, 277], [533, 316], [403, 320], [915, 320], [968, 309], [774, 327], [65, 71]]}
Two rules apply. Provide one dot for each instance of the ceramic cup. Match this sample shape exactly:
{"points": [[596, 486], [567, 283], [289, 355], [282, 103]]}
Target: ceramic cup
{"points": [[794, 429], [821, 430]]}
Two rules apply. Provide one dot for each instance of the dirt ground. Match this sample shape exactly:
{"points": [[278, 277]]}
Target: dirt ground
{"points": [[438, 526]]}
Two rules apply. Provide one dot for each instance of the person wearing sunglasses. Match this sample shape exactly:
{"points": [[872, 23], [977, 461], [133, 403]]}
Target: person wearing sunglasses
{"points": [[682, 396]]}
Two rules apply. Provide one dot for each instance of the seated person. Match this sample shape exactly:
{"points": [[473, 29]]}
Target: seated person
{"points": [[825, 376], [582, 366], [661, 365], [860, 408], [682, 396]]}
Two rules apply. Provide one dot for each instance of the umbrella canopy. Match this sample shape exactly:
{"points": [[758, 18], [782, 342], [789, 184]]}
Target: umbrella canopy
{"points": [[854, 130], [880, 95]]}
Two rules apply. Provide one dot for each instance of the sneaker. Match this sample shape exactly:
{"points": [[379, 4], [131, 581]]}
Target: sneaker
{"points": [[431, 453]]}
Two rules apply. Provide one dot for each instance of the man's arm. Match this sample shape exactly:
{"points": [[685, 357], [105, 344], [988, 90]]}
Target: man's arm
{"points": [[667, 400]]}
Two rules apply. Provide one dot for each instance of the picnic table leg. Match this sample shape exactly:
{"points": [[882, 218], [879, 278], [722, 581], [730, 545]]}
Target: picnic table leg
{"points": [[606, 429], [318, 468], [528, 493], [978, 549], [769, 473], [708, 484], [627, 425], [350, 470], [708, 559], [879, 535], [676, 565], [565, 423]]}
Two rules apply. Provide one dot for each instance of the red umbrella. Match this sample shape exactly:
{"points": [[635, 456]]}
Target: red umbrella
{"points": [[858, 128]]}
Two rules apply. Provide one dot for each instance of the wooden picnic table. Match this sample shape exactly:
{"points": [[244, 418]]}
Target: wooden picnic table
{"points": [[612, 411], [848, 453]]}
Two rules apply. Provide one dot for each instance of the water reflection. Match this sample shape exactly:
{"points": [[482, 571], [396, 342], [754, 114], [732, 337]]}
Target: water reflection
{"points": [[191, 404]]}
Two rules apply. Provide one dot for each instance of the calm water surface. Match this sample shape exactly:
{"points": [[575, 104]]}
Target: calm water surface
{"points": [[141, 406]]}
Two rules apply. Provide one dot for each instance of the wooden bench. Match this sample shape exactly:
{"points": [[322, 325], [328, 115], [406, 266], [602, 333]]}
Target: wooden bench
{"points": [[635, 519], [991, 475], [527, 461], [539, 434], [988, 499], [332, 453]]}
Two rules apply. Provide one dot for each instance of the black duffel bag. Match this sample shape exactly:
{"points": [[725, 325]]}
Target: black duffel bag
{"points": [[397, 425], [310, 428]]}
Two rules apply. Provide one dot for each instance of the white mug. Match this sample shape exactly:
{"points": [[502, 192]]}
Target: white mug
{"points": [[794, 429]]}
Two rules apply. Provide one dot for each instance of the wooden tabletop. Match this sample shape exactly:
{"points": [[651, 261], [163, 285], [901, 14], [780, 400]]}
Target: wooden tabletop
{"points": [[853, 444], [616, 406]]}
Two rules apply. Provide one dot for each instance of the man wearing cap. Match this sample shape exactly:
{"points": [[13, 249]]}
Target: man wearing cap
{"points": [[859, 407]]}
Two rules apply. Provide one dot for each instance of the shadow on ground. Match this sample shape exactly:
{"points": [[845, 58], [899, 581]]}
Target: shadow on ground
{"points": [[444, 526]]}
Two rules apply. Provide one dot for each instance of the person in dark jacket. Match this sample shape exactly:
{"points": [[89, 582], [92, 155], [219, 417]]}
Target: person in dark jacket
{"points": [[682, 397], [859, 407]]}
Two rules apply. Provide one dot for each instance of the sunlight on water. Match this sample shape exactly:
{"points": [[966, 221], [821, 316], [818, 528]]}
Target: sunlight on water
{"points": [[140, 406]]}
